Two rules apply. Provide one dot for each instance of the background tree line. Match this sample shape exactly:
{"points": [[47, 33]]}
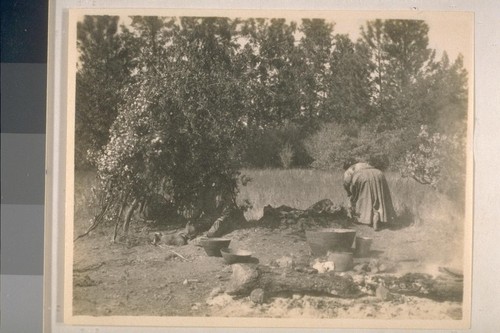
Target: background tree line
{"points": [[179, 105]]}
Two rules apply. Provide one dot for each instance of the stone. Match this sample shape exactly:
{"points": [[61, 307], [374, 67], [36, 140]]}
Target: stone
{"points": [[360, 268], [302, 260], [244, 277], [358, 279], [220, 300], [323, 267], [216, 291], [382, 293], [257, 296], [285, 262]]}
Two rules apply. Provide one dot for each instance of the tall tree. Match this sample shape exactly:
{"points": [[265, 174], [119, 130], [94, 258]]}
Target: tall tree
{"points": [[448, 97], [400, 58], [273, 89], [315, 50], [349, 88], [103, 70], [374, 40]]}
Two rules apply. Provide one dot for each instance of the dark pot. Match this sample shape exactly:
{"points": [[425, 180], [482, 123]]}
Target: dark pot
{"points": [[333, 240]]}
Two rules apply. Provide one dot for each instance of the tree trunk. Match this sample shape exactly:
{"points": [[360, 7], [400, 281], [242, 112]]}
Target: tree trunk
{"points": [[442, 288], [128, 216], [119, 215], [247, 277]]}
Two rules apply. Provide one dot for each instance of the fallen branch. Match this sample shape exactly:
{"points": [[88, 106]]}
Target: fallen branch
{"points": [[441, 288], [97, 220], [177, 254], [88, 268], [247, 277]]}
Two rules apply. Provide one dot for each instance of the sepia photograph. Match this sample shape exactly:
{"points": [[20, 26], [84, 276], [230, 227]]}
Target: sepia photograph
{"points": [[254, 167]]}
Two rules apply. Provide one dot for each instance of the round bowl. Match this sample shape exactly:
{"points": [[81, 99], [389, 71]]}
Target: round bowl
{"points": [[333, 240], [212, 246], [233, 256]]}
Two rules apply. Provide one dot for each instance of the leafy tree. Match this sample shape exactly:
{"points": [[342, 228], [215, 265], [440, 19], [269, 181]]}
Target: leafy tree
{"points": [[349, 88], [374, 40], [438, 161], [103, 71], [448, 97], [314, 70], [176, 133], [400, 60], [273, 93]]}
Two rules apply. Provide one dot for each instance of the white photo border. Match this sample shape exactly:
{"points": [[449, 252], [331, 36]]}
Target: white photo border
{"points": [[60, 150]]}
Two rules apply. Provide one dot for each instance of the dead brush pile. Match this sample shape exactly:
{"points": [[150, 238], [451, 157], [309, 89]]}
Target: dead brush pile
{"points": [[322, 214]]}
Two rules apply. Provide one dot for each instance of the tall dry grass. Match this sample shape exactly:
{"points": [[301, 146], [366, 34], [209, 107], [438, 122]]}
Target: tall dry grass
{"points": [[300, 188], [428, 217]]}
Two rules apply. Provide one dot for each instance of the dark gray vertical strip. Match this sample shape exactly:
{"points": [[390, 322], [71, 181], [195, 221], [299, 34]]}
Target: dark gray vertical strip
{"points": [[23, 168], [21, 303], [23, 98], [22, 239], [23, 31]]}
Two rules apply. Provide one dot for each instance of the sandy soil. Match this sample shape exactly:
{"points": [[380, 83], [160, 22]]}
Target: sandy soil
{"points": [[138, 278]]}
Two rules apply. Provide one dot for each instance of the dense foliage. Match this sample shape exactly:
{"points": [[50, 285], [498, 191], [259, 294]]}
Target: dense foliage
{"points": [[176, 106]]}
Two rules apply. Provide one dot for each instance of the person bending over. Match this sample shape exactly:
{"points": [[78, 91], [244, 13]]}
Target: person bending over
{"points": [[368, 192]]}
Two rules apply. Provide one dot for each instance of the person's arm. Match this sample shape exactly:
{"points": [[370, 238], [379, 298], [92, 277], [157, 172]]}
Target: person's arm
{"points": [[347, 181], [347, 186]]}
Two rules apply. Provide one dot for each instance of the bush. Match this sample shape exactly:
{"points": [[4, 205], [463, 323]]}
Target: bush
{"points": [[334, 143], [286, 156], [439, 161], [265, 147]]}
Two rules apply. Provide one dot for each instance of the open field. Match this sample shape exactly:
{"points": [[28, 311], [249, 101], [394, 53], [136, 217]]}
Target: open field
{"points": [[142, 279], [431, 216]]}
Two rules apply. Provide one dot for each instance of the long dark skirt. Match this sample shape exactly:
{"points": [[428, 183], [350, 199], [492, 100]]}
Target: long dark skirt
{"points": [[370, 196]]}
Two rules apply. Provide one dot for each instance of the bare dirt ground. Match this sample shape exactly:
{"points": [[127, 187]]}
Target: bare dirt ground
{"points": [[136, 278]]}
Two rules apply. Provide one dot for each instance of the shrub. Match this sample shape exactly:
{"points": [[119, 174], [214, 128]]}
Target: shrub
{"points": [[439, 161], [334, 143], [264, 147], [286, 156]]}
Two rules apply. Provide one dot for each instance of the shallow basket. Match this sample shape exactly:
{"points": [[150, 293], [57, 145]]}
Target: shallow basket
{"points": [[333, 240], [232, 256], [212, 246]]}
